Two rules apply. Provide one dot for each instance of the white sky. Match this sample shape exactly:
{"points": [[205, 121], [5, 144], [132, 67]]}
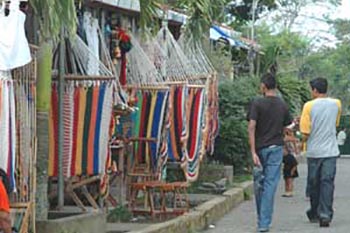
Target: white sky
{"points": [[307, 24], [344, 10]]}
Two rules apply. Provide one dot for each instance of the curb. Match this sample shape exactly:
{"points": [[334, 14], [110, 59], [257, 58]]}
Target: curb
{"points": [[204, 214]]}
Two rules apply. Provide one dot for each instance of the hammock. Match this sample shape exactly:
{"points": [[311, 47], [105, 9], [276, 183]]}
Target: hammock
{"points": [[87, 118], [141, 71], [207, 75], [196, 121], [177, 123], [197, 57], [7, 126], [147, 122]]}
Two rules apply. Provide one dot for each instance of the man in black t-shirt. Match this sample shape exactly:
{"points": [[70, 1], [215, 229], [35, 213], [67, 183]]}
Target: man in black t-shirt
{"points": [[267, 118]]}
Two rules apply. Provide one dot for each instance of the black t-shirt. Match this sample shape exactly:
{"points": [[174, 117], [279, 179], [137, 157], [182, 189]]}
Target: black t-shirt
{"points": [[271, 115]]}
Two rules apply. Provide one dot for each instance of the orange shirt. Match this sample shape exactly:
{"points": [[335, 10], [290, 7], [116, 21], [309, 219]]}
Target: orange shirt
{"points": [[4, 200]]}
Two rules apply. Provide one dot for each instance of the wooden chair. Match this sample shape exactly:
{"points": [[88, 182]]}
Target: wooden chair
{"points": [[20, 214], [140, 173]]}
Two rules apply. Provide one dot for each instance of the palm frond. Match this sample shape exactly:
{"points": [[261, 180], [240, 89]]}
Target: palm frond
{"points": [[52, 15]]}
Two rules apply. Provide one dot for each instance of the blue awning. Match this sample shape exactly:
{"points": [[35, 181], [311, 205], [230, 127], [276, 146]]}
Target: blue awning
{"points": [[219, 33]]}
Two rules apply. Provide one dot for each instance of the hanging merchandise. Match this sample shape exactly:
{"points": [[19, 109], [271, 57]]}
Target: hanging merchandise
{"points": [[125, 46], [25, 92], [7, 126], [14, 47], [196, 120], [177, 122], [148, 121], [213, 103], [87, 119], [91, 30]]}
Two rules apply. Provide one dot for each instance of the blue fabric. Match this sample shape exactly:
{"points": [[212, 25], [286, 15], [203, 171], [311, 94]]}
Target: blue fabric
{"points": [[157, 122], [266, 183], [321, 175], [102, 92]]}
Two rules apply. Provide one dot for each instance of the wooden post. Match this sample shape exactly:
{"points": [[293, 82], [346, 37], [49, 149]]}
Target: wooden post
{"points": [[60, 121]]}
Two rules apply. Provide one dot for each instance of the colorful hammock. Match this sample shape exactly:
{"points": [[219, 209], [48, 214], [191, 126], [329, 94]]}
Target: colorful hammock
{"points": [[147, 122], [177, 120], [87, 118], [196, 120]]}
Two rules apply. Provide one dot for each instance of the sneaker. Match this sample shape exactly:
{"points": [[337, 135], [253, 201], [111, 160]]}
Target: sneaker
{"points": [[324, 223], [312, 218], [287, 194], [263, 229]]}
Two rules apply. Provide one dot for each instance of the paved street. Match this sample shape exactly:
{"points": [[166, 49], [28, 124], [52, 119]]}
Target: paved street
{"points": [[290, 212]]}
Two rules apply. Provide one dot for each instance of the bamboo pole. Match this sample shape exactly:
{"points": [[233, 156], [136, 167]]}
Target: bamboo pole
{"points": [[69, 77], [196, 86], [60, 121]]}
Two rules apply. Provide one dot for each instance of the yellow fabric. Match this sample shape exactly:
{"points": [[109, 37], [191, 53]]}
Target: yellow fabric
{"points": [[150, 124], [305, 119], [80, 130]]}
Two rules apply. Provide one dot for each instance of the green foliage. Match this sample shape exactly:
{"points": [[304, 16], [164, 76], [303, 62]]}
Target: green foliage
{"points": [[199, 13], [52, 15], [333, 64], [119, 214], [295, 92], [286, 48], [148, 13], [232, 144], [342, 29]]}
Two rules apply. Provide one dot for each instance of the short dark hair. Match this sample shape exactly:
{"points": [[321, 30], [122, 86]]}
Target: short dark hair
{"points": [[5, 180], [269, 80], [320, 84]]}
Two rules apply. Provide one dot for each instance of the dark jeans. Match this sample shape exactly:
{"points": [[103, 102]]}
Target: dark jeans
{"points": [[321, 174]]}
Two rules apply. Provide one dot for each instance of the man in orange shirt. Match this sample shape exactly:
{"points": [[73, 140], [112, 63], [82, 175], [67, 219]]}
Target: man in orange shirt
{"points": [[5, 220]]}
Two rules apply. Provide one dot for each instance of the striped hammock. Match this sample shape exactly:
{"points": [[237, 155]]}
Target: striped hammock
{"points": [[87, 118]]}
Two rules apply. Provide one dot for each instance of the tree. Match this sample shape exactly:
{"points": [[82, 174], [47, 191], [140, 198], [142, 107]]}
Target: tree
{"points": [[51, 15], [342, 29], [287, 49], [242, 10]]}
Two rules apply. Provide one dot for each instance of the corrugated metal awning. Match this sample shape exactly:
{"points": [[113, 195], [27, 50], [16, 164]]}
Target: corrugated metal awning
{"points": [[131, 5]]}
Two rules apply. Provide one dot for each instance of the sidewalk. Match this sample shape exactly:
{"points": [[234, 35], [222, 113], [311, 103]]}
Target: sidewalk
{"points": [[290, 212]]}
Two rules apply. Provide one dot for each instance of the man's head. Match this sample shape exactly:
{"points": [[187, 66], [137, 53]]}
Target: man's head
{"points": [[268, 82], [5, 180], [319, 87]]}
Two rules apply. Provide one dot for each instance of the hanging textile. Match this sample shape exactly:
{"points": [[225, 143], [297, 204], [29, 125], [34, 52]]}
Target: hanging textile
{"points": [[177, 120], [87, 119], [213, 128], [92, 39], [14, 47], [7, 127], [196, 106], [149, 121]]}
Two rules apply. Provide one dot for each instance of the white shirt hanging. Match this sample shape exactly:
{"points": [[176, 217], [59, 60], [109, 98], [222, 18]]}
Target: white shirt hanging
{"points": [[14, 47], [91, 27]]}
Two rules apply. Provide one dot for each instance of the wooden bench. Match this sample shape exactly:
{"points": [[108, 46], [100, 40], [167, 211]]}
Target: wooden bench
{"points": [[151, 188]]}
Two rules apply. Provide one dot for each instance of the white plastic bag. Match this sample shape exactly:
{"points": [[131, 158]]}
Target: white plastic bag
{"points": [[14, 47]]}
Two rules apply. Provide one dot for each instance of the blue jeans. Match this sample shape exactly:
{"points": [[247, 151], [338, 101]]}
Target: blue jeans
{"points": [[321, 175], [266, 184]]}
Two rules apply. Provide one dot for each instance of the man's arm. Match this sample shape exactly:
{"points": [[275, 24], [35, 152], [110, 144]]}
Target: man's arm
{"points": [[251, 133], [339, 112]]}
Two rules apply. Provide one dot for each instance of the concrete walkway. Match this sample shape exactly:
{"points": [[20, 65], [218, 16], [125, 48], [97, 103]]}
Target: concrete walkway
{"points": [[289, 215]]}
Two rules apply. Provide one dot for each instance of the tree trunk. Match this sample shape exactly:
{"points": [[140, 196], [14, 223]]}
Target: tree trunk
{"points": [[43, 107]]}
